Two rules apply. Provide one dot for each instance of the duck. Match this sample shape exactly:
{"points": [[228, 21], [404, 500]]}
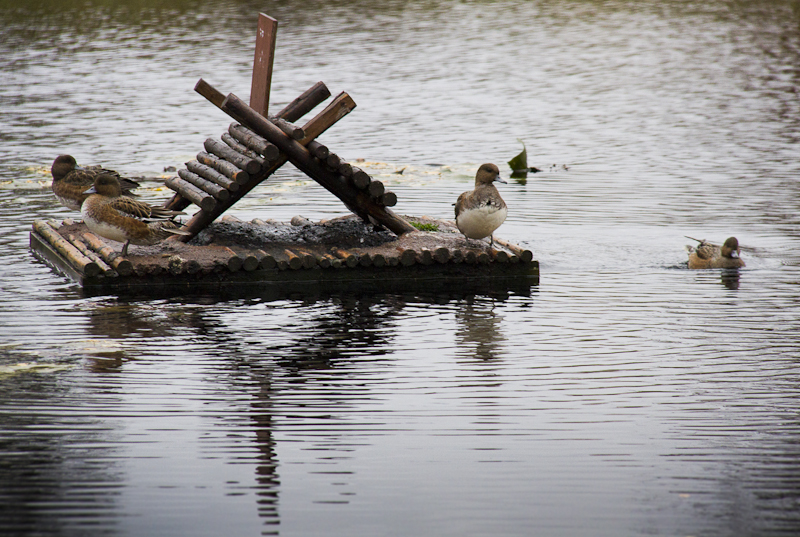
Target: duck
{"points": [[110, 214], [71, 181], [707, 255], [481, 211]]}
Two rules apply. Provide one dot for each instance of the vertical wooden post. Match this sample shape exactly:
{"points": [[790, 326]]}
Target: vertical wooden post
{"points": [[262, 64]]}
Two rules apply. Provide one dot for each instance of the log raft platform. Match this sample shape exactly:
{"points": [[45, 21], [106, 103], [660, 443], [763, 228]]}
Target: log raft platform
{"points": [[295, 256], [220, 252]]}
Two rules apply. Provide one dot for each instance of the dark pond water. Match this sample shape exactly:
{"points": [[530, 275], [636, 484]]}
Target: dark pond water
{"points": [[623, 395]]}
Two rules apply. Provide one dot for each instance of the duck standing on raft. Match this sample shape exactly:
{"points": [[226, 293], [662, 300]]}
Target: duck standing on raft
{"points": [[706, 255], [109, 214], [70, 181], [481, 211]]}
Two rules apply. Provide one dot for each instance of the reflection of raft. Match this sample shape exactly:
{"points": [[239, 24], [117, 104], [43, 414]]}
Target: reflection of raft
{"points": [[327, 254]]}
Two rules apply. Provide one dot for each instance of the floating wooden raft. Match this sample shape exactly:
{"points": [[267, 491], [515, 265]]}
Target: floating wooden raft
{"points": [[415, 261]]}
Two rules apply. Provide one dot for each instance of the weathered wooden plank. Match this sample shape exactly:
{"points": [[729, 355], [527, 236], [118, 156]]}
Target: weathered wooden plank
{"points": [[266, 36]]}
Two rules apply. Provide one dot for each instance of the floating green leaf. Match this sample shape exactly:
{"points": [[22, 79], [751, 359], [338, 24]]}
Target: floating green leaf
{"points": [[520, 162]]}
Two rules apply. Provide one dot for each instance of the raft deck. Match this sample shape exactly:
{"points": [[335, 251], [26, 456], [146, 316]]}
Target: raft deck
{"points": [[335, 255]]}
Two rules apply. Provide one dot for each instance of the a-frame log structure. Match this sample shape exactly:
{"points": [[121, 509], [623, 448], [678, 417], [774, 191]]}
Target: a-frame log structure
{"points": [[385, 253], [254, 149]]}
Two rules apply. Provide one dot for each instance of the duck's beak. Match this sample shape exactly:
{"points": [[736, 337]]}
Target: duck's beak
{"points": [[500, 180], [90, 190]]}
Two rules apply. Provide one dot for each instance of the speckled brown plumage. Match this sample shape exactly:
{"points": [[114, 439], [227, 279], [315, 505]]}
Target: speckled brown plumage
{"points": [[71, 181]]}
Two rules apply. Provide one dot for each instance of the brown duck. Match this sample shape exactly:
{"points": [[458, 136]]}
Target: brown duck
{"points": [[109, 214], [71, 181], [481, 211], [707, 255]]}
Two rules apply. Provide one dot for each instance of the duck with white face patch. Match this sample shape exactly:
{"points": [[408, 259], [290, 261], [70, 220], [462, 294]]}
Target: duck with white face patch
{"points": [[481, 211], [706, 255]]}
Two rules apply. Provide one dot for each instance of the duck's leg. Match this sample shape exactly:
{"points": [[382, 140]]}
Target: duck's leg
{"points": [[491, 240], [125, 248]]}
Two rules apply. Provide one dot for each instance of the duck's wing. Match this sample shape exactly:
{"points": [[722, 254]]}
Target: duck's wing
{"points": [[461, 202], [138, 209], [707, 250]]}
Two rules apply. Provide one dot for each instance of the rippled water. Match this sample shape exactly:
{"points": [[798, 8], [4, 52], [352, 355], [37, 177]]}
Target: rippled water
{"points": [[624, 395]]}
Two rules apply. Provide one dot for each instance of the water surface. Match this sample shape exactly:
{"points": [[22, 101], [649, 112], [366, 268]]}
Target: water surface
{"points": [[623, 395]]}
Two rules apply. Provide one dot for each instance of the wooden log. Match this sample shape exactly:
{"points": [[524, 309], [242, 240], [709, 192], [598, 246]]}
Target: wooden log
{"points": [[309, 259], [342, 105], [378, 260], [360, 178], [266, 261], [210, 174], [250, 261], [333, 161], [221, 150], [253, 141], [441, 255], [305, 102], [457, 256], [234, 144], [261, 80], [376, 189], [407, 257], [191, 193], [318, 150], [337, 109], [294, 260], [193, 266], [348, 258], [231, 218], [220, 193], [389, 199], [224, 167], [484, 259], [123, 266], [367, 209], [365, 260], [425, 256], [526, 256], [233, 261], [332, 261], [83, 264], [392, 260], [209, 92], [500, 256], [470, 257], [105, 269], [292, 131], [324, 261], [345, 168]]}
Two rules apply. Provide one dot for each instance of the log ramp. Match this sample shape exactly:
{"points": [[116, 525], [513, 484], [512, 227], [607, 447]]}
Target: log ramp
{"points": [[373, 246]]}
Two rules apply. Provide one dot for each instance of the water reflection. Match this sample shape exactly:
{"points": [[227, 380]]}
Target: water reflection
{"points": [[479, 333]]}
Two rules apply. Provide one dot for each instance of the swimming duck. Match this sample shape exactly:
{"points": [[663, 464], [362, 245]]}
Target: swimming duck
{"points": [[109, 214], [481, 211], [70, 181], [706, 255]]}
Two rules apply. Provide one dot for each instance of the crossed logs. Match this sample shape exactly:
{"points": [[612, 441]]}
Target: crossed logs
{"points": [[256, 146]]}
